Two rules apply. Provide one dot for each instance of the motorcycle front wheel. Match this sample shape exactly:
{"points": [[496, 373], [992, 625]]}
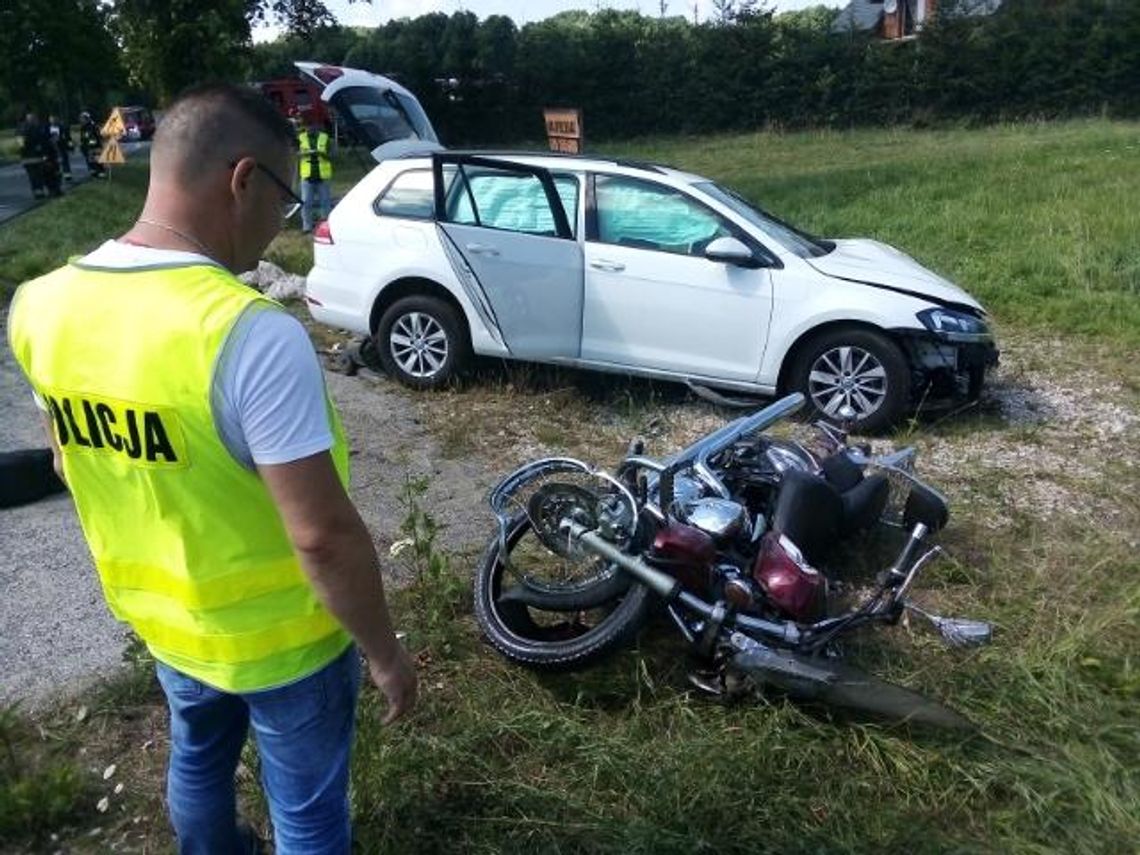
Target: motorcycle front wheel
{"points": [[546, 639]]}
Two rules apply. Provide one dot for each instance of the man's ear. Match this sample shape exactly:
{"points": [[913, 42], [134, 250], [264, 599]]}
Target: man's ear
{"points": [[241, 176]]}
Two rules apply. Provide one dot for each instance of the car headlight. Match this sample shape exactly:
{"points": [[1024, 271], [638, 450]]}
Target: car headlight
{"points": [[954, 326]]}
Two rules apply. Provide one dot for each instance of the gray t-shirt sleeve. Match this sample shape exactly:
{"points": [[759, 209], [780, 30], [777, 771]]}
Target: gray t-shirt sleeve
{"points": [[268, 396]]}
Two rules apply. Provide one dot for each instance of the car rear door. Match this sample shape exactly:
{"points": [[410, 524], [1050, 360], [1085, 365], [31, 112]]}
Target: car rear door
{"points": [[506, 225], [653, 300]]}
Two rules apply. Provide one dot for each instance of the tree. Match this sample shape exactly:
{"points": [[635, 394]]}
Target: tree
{"points": [[171, 44], [56, 56]]}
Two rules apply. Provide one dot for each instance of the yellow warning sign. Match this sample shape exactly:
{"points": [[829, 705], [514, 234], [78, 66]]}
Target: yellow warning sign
{"points": [[111, 152], [114, 126]]}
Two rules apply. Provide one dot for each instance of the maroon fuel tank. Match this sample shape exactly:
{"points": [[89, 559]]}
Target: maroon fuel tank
{"points": [[790, 584], [685, 552]]}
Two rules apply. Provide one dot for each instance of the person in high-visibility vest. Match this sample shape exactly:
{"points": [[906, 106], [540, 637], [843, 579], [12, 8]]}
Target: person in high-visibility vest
{"points": [[316, 173], [188, 417]]}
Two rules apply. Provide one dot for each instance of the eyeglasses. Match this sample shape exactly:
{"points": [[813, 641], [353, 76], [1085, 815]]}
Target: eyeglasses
{"points": [[290, 202]]}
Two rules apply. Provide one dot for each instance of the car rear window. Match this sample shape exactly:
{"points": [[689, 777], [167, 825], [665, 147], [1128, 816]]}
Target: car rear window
{"points": [[408, 195]]}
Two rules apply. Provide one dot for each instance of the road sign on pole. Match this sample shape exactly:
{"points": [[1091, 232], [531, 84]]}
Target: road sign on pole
{"points": [[111, 152], [114, 126]]}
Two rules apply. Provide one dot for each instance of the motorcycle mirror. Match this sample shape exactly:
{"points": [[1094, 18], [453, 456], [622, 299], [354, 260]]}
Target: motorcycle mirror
{"points": [[959, 632]]}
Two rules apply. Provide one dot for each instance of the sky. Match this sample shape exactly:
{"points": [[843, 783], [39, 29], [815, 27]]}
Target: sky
{"points": [[376, 12]]}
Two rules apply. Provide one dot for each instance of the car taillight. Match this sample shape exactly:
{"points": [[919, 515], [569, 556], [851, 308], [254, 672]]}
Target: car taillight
{"points": [[322, 233]]}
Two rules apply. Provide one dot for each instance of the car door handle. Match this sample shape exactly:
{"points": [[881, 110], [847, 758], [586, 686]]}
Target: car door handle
{"points": [[609, 266], [481, 249]]}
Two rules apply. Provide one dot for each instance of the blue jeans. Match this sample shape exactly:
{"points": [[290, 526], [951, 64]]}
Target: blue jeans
{"points": [[316, 199], [304, 739]]}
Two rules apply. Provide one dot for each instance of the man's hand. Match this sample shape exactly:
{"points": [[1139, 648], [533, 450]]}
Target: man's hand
{"points": [[397, 680]]}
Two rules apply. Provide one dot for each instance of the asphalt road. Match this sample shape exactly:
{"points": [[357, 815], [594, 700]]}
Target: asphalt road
{"points": [[16, 193]]}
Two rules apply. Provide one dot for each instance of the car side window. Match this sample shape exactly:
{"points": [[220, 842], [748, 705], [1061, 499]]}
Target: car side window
{"points": [[408, 195], [646, 215], [511, 201]]}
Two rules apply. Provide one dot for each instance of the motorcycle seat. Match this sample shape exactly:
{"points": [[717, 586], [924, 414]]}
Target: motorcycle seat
{"points": [[815, 513]]}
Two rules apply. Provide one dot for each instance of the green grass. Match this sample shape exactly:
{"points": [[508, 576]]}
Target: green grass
{"points": [[42, 239], [1039, 222]]}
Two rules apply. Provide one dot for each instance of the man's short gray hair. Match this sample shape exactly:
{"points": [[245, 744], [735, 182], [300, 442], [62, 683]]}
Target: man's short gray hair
{"points": [[217, 121]]}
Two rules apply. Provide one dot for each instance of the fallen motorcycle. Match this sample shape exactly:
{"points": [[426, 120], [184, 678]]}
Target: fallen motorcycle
{"points": [[723, 535]]}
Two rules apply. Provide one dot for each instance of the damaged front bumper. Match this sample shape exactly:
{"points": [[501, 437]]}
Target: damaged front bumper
{"points": [[946, 370]]}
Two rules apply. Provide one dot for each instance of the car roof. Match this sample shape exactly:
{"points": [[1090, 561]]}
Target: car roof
{"points": [[557, 160]]}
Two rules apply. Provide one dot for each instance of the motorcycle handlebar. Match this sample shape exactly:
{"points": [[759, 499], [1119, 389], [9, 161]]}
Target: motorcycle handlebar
{"points": [[697, 455]]}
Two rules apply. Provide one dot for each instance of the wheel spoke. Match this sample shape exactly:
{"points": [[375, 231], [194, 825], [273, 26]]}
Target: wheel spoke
{"points": [[830, 380], [834, 404], [400, 339], [845, 359], [407, 361], [877, 372], [864, 406]]}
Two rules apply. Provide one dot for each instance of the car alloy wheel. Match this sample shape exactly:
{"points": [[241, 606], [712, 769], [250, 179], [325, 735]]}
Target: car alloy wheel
{"points": [[847, 376], [419, 345]]}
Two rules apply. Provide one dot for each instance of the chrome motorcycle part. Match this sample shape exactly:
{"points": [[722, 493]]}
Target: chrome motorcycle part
{"points": [[551, 504], [738, 591], [957, 632], [686, 489], [720, 518], [838, 684]]}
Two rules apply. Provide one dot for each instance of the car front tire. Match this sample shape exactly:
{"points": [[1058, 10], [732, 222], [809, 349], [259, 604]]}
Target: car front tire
{"points": [[421, 342], [856, 367]]}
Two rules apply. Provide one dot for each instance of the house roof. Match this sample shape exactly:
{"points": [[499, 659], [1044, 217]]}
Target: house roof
{"points": [[866, 14], [858, 15]]}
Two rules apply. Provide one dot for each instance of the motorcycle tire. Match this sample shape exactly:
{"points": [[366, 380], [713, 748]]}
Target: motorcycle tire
{"points": [[525, 636]]}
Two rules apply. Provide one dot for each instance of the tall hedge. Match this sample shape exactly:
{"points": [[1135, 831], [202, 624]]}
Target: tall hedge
{"points": [[486, 81]]}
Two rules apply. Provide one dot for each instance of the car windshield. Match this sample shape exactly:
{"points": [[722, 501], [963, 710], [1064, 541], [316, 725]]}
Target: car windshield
{"points": [[800, 242]]}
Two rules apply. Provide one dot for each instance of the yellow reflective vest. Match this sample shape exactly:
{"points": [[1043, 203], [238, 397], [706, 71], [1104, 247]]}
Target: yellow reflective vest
{"points": [[189, 547], [313, 156]]}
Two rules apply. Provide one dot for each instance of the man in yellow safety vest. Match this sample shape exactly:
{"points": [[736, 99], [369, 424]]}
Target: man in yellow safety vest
{"points": [[316, 173], [208, 466]]}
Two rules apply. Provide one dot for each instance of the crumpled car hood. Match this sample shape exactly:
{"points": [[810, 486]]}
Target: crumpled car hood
{"points": [[877, 264]]}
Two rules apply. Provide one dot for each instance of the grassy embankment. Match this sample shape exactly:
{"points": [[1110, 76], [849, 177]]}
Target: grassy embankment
{"points": [[1039, 222]]}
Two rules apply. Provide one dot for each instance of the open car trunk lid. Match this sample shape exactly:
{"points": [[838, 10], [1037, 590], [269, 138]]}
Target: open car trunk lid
{"points": [[377, 110]]}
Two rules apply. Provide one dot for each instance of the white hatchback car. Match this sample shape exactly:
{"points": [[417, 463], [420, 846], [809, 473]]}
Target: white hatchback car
{"points": [[638, 268]]}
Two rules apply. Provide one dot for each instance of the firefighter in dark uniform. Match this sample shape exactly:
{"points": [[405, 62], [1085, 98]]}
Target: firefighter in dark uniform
{"points": [[90, 144], [40, 158]]}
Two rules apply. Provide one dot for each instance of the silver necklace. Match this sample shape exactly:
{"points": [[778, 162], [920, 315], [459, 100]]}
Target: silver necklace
{"points": [[177, 233]]}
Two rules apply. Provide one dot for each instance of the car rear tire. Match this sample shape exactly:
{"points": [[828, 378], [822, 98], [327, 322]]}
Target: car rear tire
{"points": [[421, 342], [853, 366]]}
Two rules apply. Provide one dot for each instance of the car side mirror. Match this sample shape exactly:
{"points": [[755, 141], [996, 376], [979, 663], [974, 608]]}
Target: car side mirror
{"points": [[729, 250]]}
